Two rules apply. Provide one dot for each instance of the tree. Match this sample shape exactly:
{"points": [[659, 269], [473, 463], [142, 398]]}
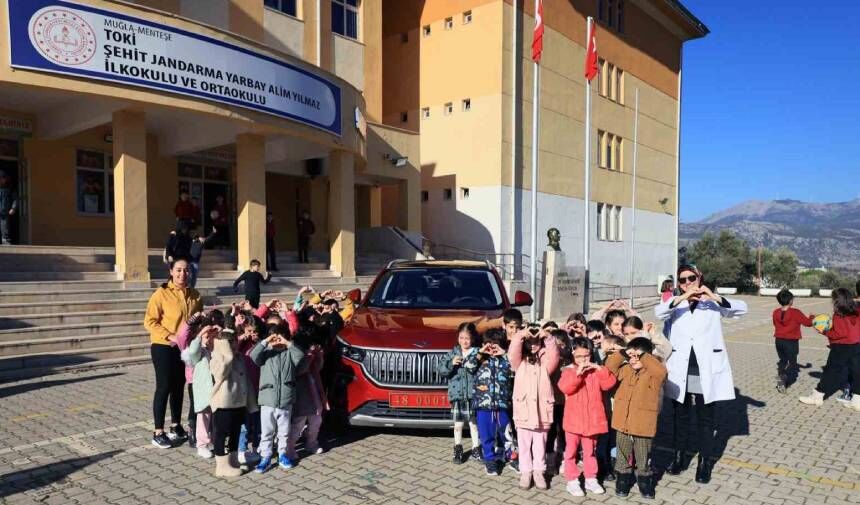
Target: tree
{"points": [[724, 260], [779, 268]]}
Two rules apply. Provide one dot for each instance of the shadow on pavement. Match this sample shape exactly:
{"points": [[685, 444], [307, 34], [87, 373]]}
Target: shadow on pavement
{"points": [[46, 475], [32, 386]]}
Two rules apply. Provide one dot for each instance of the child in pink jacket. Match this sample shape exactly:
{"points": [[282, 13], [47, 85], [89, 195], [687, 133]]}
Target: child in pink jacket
{"points": [[534, 356], [583, 384]]}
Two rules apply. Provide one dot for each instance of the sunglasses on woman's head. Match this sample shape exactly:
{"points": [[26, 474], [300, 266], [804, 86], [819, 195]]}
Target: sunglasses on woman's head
{"points": [[685, 280]]}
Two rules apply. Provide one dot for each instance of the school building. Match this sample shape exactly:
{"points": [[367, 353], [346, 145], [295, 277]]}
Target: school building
{"points": [[365, 113]]}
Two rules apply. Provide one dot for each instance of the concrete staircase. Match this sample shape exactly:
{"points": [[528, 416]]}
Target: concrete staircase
{"points": [[61, 308]]}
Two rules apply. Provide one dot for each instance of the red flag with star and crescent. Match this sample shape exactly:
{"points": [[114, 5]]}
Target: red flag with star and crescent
{"points": [[591, 52], [537, 39]]}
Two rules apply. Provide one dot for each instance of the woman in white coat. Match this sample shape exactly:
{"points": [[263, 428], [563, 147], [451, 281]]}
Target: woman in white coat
{"points": [[699, 369]]}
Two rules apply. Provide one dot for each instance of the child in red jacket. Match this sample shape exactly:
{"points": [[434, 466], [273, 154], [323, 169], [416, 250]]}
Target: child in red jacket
{"points": [[786, 333], [583, 384], [843, 361]]}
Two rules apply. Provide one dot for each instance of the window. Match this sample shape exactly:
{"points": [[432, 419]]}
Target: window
{"points": [[467, 17], [285, 6], [449, 109], [610, 81], [404, 117], [425, 196], [448, 194], [425, 113], [464, 193], [437, 288], [610, 149], [426, 30], [449, 23], [609, 222], [344, 18], [611, 13], [94, 182], [467, 104]]}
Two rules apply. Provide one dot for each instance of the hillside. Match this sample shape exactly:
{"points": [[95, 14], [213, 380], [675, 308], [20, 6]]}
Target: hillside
{"points": [[822, 235]]}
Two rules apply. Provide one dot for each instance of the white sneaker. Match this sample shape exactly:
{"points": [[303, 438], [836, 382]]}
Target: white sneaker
{"points": [[816, 398], [574, 488], [844, 401], [205, 453], [592, 486]]}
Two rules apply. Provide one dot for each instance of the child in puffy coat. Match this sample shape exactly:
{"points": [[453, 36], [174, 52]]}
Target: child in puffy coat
{"points": [[492, 398], [534, 357], [460, 388], [583, 384]]}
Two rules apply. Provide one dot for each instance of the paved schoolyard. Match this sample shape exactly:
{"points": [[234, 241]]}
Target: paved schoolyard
{"points": [[84, 438]]}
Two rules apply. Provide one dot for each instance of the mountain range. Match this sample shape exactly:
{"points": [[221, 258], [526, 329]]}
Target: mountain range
{"points": [[821, 234]]}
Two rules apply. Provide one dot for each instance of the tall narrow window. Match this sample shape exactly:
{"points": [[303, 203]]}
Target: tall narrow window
{"points": [[344, 17], [601, 221], [467, 17], [449, 23], [467, 104]]}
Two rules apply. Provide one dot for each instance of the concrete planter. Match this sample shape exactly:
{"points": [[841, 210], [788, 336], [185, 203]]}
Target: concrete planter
{"points": [[825, 293], [801, 292], [727, 291], [768, 291]]}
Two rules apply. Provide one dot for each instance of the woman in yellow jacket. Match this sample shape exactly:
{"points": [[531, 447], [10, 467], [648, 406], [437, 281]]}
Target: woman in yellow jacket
{"points": [[168, 308]]}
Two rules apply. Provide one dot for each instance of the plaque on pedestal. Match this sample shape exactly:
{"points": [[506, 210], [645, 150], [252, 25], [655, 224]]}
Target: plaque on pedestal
{"points": [[563, 287]]}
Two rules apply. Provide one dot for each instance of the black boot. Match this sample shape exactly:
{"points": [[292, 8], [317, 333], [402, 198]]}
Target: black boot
{"points": [[646, 486], [623, 483], [192, 434], [458, 454], [703, 470], [677, 465]]}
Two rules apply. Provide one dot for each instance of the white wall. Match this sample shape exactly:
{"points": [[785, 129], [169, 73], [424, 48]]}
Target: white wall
{"points": [[284, 32], [472, 223], [212, 12]]}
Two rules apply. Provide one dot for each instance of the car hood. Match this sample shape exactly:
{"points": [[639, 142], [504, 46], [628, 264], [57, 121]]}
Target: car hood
{"points": [[410, 328]]}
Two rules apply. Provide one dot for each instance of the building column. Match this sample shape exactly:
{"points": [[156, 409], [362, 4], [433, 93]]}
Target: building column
{"points": [[318, 35], [409, 196], [341, 212], [375, 206], [130, 206], [251, 199]]}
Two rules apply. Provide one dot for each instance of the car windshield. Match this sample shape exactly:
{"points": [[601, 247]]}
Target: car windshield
{"points": [[437, 288]]}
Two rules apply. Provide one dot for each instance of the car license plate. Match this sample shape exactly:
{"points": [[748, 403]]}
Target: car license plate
{"points": [[418, 400]]}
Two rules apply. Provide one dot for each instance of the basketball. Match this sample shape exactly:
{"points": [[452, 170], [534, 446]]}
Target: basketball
{"points": [[822, 323]]}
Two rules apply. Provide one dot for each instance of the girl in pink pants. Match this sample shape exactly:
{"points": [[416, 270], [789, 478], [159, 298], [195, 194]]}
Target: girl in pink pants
{"points": [[583, 384], [533, 354]]}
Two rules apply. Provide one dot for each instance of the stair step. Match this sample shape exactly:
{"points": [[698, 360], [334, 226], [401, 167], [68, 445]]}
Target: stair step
{"points": [[11, 310], [38, 346], [57, 359], [70, 330], [73, 318], [48, 275]]}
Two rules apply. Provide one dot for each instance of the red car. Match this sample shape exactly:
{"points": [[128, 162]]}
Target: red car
{"points": [[405, 324]]}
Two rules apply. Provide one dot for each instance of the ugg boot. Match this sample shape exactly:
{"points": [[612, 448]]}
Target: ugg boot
{"points": [[623, 483], [225, 468], [816, 398], [854, 403], [540, 479], [646, 486]]}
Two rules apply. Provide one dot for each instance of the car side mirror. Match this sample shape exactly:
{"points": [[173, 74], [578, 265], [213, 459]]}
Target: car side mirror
{"points": [[354, 295], [522, 299]]}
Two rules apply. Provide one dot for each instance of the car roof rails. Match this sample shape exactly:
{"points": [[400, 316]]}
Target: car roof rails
{"points": [[395, 262]]}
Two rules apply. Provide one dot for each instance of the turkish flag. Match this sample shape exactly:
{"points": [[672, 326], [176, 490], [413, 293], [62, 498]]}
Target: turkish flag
{"points": [[591, 52], [537, 39]]}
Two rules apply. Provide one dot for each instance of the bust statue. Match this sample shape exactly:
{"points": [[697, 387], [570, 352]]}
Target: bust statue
{"points": [[554, 237]]}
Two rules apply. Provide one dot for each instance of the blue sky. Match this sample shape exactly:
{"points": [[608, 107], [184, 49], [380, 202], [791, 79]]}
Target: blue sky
{"points": [[771, 105]]}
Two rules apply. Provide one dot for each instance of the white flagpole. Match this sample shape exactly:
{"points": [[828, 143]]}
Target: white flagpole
{"points": [[535, 128], [586, 242], [633, 204]]}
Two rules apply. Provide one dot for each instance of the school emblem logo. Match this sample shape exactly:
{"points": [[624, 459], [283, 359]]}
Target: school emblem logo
{"points": [[62, 36]]}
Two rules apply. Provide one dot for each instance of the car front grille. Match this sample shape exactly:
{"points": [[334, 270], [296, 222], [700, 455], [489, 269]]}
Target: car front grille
{"points": [[405, 368]]}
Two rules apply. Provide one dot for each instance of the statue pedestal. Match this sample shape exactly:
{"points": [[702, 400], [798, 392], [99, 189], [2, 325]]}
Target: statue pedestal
{"points": [[562, 288]]}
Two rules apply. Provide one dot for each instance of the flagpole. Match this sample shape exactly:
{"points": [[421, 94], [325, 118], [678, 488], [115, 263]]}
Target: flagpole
{"points": [[535, 128], [633, 203], [586, 242]]}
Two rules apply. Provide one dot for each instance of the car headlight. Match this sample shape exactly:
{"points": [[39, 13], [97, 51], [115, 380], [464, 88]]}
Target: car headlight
{"points": [[349, 352]]}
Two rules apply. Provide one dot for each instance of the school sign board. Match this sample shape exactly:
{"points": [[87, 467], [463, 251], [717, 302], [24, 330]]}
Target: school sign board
{"points": [[74, 39]]}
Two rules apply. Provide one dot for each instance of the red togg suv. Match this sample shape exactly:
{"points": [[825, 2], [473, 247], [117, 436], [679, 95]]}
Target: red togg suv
{"points": [[405, 324]]}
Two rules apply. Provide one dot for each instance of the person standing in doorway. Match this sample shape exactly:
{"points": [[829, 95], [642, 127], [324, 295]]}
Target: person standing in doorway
{"points": [[271, 253], [8, 207], [184, 210], [306, 228], [700, 375], [221, 221]]}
